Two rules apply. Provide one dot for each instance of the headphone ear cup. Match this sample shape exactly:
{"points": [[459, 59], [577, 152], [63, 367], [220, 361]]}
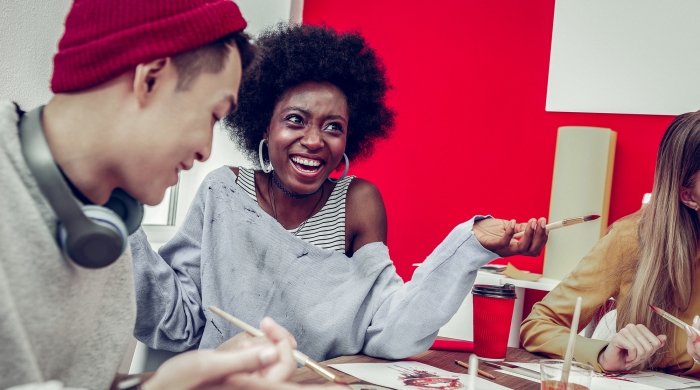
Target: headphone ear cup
{"points": [[127, 208], [101, 244]]}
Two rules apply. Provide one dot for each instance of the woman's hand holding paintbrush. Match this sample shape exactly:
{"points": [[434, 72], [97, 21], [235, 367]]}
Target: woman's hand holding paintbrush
{"points": [[496, 235], [565, 223], [693, 343], [629, 347]]}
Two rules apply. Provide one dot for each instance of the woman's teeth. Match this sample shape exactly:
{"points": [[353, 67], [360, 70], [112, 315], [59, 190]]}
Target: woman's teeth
{"points": [[305, 164]]}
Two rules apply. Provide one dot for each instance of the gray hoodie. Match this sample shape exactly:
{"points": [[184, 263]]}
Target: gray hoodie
{"points": [[231, 254], [57, 321]]}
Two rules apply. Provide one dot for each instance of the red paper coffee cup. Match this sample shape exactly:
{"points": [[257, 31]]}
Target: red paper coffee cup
{"points": [[493, 313]]}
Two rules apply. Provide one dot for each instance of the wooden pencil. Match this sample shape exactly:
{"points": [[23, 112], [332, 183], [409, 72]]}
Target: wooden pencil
{"points": [[298, 356], [480, 371]]}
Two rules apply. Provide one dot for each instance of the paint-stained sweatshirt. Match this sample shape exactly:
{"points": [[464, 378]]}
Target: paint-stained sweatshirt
{"points": [[60, 325], [231, 254]]}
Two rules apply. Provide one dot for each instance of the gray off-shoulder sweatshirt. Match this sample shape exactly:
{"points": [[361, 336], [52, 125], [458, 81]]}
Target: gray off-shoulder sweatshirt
{"points": [[231, 254]]}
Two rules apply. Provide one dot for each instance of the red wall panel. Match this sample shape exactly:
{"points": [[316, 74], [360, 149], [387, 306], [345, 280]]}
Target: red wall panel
{"points": [[472, 134]]}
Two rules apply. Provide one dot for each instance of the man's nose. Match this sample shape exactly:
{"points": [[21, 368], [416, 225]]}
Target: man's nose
{"points": [[204, 152]]}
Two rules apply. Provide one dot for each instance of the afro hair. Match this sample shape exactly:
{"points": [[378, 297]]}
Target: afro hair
{"points": [[294, 54]]}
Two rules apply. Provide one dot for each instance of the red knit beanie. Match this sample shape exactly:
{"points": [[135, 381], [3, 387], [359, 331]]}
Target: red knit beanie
{"points": [[104, 38]]}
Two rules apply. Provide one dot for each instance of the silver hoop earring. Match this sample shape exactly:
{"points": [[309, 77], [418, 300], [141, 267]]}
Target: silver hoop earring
{"points": [[347, 166], [262, 163]]}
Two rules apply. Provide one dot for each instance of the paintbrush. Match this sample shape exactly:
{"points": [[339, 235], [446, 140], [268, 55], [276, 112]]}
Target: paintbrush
{"points": [[564, 223], [480, 371], [298, 356], [473, 369], [673, 319], [572, 342]]}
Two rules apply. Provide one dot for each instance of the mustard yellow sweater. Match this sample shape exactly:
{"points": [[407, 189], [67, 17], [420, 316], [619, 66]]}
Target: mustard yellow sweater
{"points": [[596, 279]]}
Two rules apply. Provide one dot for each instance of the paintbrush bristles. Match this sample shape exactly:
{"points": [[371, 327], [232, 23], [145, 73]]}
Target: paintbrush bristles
{"points": [[675, 321], [576, 220]]}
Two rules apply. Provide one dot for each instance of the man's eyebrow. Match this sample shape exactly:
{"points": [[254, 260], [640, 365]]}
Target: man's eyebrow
{"points": [[232, 104]]}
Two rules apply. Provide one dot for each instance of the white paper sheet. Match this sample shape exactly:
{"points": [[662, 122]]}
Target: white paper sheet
{"points": [[408, 375]]}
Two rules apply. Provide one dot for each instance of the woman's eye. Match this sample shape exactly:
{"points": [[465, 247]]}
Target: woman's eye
{"points": [[335, 126], [294, 119]]}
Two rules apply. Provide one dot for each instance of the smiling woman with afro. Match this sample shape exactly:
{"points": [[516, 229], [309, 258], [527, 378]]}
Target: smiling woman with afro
{"points": [[286, 241]]}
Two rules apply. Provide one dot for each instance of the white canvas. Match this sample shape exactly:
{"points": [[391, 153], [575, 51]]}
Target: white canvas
{"points": [[625, 56]]}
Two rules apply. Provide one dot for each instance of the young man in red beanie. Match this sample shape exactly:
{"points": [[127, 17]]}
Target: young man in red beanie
{"points": [[138, 87]]}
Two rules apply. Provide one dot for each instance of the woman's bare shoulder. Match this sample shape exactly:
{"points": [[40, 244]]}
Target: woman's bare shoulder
{"points": [[365, 214], [361, 190]]}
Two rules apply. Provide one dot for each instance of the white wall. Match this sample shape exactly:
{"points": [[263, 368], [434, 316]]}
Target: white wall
{"points": [[625, 56], [29, 34]]}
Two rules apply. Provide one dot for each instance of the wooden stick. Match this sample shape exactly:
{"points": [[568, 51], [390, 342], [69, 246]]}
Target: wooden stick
{"points": [[572, 342], [564, 223], [480, 371], [298, 356], [473, 368]]}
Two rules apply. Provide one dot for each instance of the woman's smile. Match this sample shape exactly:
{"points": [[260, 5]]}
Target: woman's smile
{"points": [[305, 165]]}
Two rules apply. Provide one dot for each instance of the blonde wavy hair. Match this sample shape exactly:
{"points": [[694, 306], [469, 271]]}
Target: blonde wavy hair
{"points": [[668, 236]]}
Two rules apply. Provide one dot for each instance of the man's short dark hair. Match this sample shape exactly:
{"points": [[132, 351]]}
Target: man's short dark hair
{"points": [[211, 58]]}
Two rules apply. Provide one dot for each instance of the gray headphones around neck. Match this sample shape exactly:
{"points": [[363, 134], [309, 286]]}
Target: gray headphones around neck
{"points": [[92, 236]]}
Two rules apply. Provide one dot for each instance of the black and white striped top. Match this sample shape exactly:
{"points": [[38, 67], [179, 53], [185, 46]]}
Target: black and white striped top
{"points": [[326, 228]]}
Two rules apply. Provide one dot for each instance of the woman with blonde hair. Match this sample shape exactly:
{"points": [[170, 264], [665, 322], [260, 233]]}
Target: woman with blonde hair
{"points": [[646, 258]]}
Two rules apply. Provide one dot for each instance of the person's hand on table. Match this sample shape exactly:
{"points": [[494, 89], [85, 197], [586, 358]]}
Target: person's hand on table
{"points": [[693, 343], [496, 235], [629, 347]]}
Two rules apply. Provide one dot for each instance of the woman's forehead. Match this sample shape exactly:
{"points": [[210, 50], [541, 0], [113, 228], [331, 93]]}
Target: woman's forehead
{"points": [[314, 97]]}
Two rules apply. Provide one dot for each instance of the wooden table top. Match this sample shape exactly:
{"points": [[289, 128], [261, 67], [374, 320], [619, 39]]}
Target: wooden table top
{"points": [[440, 359]]}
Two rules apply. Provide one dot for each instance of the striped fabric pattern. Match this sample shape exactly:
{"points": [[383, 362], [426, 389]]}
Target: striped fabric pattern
{"points": [[326, 228]]}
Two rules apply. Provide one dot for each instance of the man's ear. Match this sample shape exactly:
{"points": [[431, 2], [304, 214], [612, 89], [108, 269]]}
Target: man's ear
{"points": [[148, 77], [687, 198]]}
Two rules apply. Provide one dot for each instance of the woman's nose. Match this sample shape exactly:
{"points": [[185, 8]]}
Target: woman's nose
{"points": [[312, 138]]}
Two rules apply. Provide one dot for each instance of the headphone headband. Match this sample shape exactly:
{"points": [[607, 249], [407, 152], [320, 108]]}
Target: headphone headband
{"points": [[46, 172]]}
